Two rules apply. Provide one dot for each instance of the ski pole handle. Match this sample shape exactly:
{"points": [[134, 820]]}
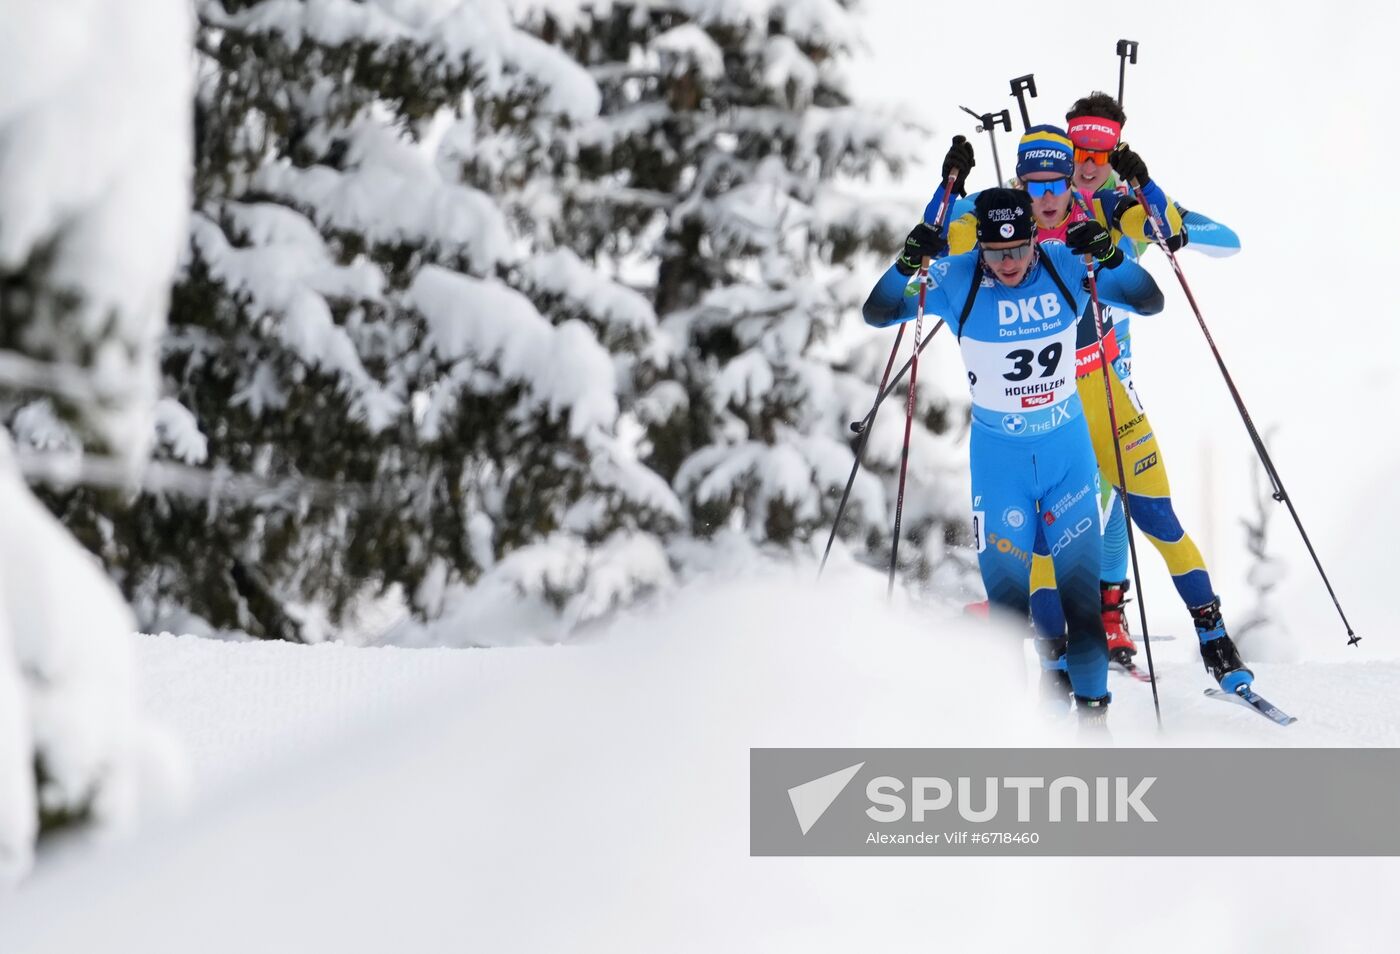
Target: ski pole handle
{"points": [[1020, 87], [1127, 53]]}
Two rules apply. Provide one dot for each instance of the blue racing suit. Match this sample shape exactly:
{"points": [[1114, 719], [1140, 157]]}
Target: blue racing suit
{"points": [[1032, 460]]}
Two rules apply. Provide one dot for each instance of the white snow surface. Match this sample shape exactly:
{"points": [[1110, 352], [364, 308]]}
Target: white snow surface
{"points": [[95, 131], [593, 796]]}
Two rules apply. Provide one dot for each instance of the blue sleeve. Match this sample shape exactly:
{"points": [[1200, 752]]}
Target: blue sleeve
{"points": [[1130, 286], [1209, 236], [889, 304], [961, 206]]}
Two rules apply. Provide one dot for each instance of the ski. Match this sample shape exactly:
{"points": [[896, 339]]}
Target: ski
{"points": [[1246, 696], [1131, 669]]}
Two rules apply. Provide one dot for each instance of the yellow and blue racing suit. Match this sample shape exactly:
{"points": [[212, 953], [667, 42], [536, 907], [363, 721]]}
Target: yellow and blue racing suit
{"points": [[1032, 459], [1149, 491]]}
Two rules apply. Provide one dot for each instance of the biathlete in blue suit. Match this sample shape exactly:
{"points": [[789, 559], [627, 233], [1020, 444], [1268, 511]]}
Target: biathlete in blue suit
{"points": [[1014, 307]]}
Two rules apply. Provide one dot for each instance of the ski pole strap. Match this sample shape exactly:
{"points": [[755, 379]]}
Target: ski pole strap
{"points": [[1059, 282]]}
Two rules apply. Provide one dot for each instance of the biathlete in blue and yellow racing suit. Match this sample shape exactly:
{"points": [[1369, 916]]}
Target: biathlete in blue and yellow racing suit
{"points": [[1014, 308], [1045, 163], [1095, 124]]}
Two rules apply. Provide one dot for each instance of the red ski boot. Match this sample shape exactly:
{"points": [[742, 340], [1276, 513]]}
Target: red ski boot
{"points": [[1121, 648]]}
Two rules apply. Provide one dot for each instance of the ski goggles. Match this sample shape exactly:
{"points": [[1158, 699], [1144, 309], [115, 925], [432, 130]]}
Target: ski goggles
{"points": [[1098, 157], [1054, 187], [1013, 254]]}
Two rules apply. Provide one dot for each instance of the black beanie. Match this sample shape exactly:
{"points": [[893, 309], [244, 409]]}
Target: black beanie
{"points": [[1004, 215]]}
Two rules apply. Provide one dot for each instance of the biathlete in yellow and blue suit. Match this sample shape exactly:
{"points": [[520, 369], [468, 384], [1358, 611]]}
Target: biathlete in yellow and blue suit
{"points": [[1015, 308], [1047, 161]]}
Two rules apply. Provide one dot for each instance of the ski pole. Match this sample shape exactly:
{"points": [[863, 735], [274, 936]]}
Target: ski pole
{"points": [[1020, 86], [908, 424], [1281, 495], [862, 427], [1107, 369], [869, 418], [987, 123], [946, 204], [1127, 53]]}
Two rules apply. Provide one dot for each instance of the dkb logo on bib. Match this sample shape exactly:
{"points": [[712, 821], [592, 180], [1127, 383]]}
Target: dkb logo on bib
{"points": [[1025, 309]]}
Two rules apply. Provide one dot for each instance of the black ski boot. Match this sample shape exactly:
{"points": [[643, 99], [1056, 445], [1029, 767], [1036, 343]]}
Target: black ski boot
{"points": [[1218, 650], [1055, 688]]}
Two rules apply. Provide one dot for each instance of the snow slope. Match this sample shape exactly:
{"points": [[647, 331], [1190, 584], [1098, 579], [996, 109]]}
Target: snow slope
{"points": [[593, 796]]}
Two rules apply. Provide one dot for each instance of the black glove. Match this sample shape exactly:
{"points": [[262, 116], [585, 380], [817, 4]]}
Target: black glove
{"points": [[1128, 165], [922, 240], [1088, 237], [960, 158]]}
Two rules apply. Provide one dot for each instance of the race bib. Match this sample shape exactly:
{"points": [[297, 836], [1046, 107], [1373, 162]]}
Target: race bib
{"points": [[1016, 376]]}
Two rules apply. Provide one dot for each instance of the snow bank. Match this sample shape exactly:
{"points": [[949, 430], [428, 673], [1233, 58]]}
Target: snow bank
{"points": [[595, 798]]}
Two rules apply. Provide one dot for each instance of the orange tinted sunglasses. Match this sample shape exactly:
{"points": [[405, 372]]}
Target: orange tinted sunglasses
{"points": [[1096, 156]]}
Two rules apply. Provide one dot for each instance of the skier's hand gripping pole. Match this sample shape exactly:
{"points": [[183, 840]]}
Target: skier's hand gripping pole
{"points": [[951, 176]]}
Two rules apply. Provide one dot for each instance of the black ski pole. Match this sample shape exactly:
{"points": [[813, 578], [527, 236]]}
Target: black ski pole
{"points": [[1107, 369], [862, 427], [1281, 495], [1127, 53], [987, 123], [869, 419], [1020, 87]]}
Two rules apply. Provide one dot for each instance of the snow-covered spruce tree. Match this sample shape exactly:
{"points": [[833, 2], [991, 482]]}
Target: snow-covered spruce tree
{"points": [[714, 177], [94, 198], [352, 329]]}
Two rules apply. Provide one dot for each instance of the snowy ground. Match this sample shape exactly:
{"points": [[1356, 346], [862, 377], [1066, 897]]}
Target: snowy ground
{"points": [[594, 797]]}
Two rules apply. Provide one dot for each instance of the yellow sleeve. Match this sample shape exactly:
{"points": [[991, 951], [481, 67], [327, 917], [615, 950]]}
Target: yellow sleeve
{"points": [[1134, 222], [962, 234]]}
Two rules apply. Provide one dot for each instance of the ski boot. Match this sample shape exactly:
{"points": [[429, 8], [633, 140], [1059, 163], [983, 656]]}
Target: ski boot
{"points": [[1093, 716], [1121, 648], [1055, 688], [1218, 651]]}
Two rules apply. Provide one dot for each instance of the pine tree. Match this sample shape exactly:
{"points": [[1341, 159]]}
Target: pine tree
{"points": [[353, 331], [722, 160]]}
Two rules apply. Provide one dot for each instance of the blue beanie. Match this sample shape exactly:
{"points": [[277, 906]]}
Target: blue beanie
{"points": [[1045, 149]]}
